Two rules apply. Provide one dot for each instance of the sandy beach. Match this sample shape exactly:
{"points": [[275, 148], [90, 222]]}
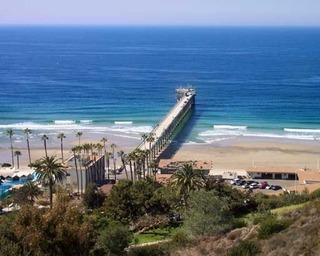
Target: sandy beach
{"points": [[235, 153], [243, 152], [127, 144]]}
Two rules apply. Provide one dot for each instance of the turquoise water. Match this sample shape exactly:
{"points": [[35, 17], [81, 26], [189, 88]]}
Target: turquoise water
{"points": [[254, 82], [7, 184]]}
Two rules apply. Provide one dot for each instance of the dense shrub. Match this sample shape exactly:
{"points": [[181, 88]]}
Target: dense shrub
{"points": [[181, 238], [150, 250], [244, 248], [238, 223], [207, 214], [112, 240], [272, 225], [286, 199]]}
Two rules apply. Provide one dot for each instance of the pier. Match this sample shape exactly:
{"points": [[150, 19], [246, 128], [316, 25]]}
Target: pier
{"points": [[161, 136]]}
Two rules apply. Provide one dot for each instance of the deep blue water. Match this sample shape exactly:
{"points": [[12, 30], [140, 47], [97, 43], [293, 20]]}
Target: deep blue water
{"points": [[250, 81]]}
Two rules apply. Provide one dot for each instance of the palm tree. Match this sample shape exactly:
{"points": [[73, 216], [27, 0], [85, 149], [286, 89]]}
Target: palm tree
{"points": [[44, 137], [27, 131], [123, 158], [104, 141], [10, 134], [108, 156], [61, 136], [130, 159], [153, 165], [144, 137], [17, 153], [48, 170], [78, 135], [185, 180], [113, 146], [151, 138], [99, 148], [74, 151], [32, 191]]}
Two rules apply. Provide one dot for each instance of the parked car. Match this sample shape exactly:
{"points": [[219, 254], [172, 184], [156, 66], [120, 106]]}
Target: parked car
{"points": [[233, 182], [276, 187], [247, 184], [241, 183], [263, 185], [254, 185]]}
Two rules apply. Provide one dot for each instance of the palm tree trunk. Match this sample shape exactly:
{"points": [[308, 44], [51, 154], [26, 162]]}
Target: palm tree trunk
{"points": [[124, 167], [18, 161], [51, 192], [28, 146], [12, 158], [108, 167], [45, 147], [81, 179], [131, 171], [62, 149], [76, 165]]}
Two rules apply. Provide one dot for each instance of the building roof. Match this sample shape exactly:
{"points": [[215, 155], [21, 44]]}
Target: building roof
{"points": [[309, 175], [175, 164], [300, 188], [163, 178], [268, 169]]}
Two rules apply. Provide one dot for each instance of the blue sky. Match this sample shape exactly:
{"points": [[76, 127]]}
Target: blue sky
{"points": [[162, 12]]}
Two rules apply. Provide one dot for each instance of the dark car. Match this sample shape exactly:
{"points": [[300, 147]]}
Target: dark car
{"points": [[240, 182], [275, 187]]}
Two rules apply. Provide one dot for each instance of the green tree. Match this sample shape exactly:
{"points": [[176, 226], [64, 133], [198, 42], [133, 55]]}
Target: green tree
{"points": [[61, 136], [10, 135], [79, 135], [17, 153], [113, 240], [151, 138], [9, 247], [48, 170], [27, 132], [44, 137], [62, 230], [104, 141], [93, 197], [186, 180], [207, 214], [75, 151], [27, 193], [144, 138], [119, 204]]}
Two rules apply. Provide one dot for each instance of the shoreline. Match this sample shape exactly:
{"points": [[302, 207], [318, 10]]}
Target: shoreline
{"points": [[234, 153]]}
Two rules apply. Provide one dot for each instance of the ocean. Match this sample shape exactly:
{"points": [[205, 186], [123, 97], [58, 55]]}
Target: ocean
{"points": [[250, 82]]}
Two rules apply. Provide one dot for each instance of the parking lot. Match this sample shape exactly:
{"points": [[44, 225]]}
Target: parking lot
{"points": [[283, 183]]}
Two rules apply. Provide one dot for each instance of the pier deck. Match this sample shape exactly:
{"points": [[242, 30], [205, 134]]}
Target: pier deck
{"points": [[163, 132]]}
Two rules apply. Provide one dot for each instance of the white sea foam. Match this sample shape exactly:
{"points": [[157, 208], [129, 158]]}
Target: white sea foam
{"points": [[302, 130], [224, 133], [132, 129], [123, 122], [64, 121], [229, 127], [86, 121]]}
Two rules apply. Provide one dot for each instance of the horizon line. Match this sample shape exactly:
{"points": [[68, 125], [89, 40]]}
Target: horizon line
{"points": [[151, 25]]}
